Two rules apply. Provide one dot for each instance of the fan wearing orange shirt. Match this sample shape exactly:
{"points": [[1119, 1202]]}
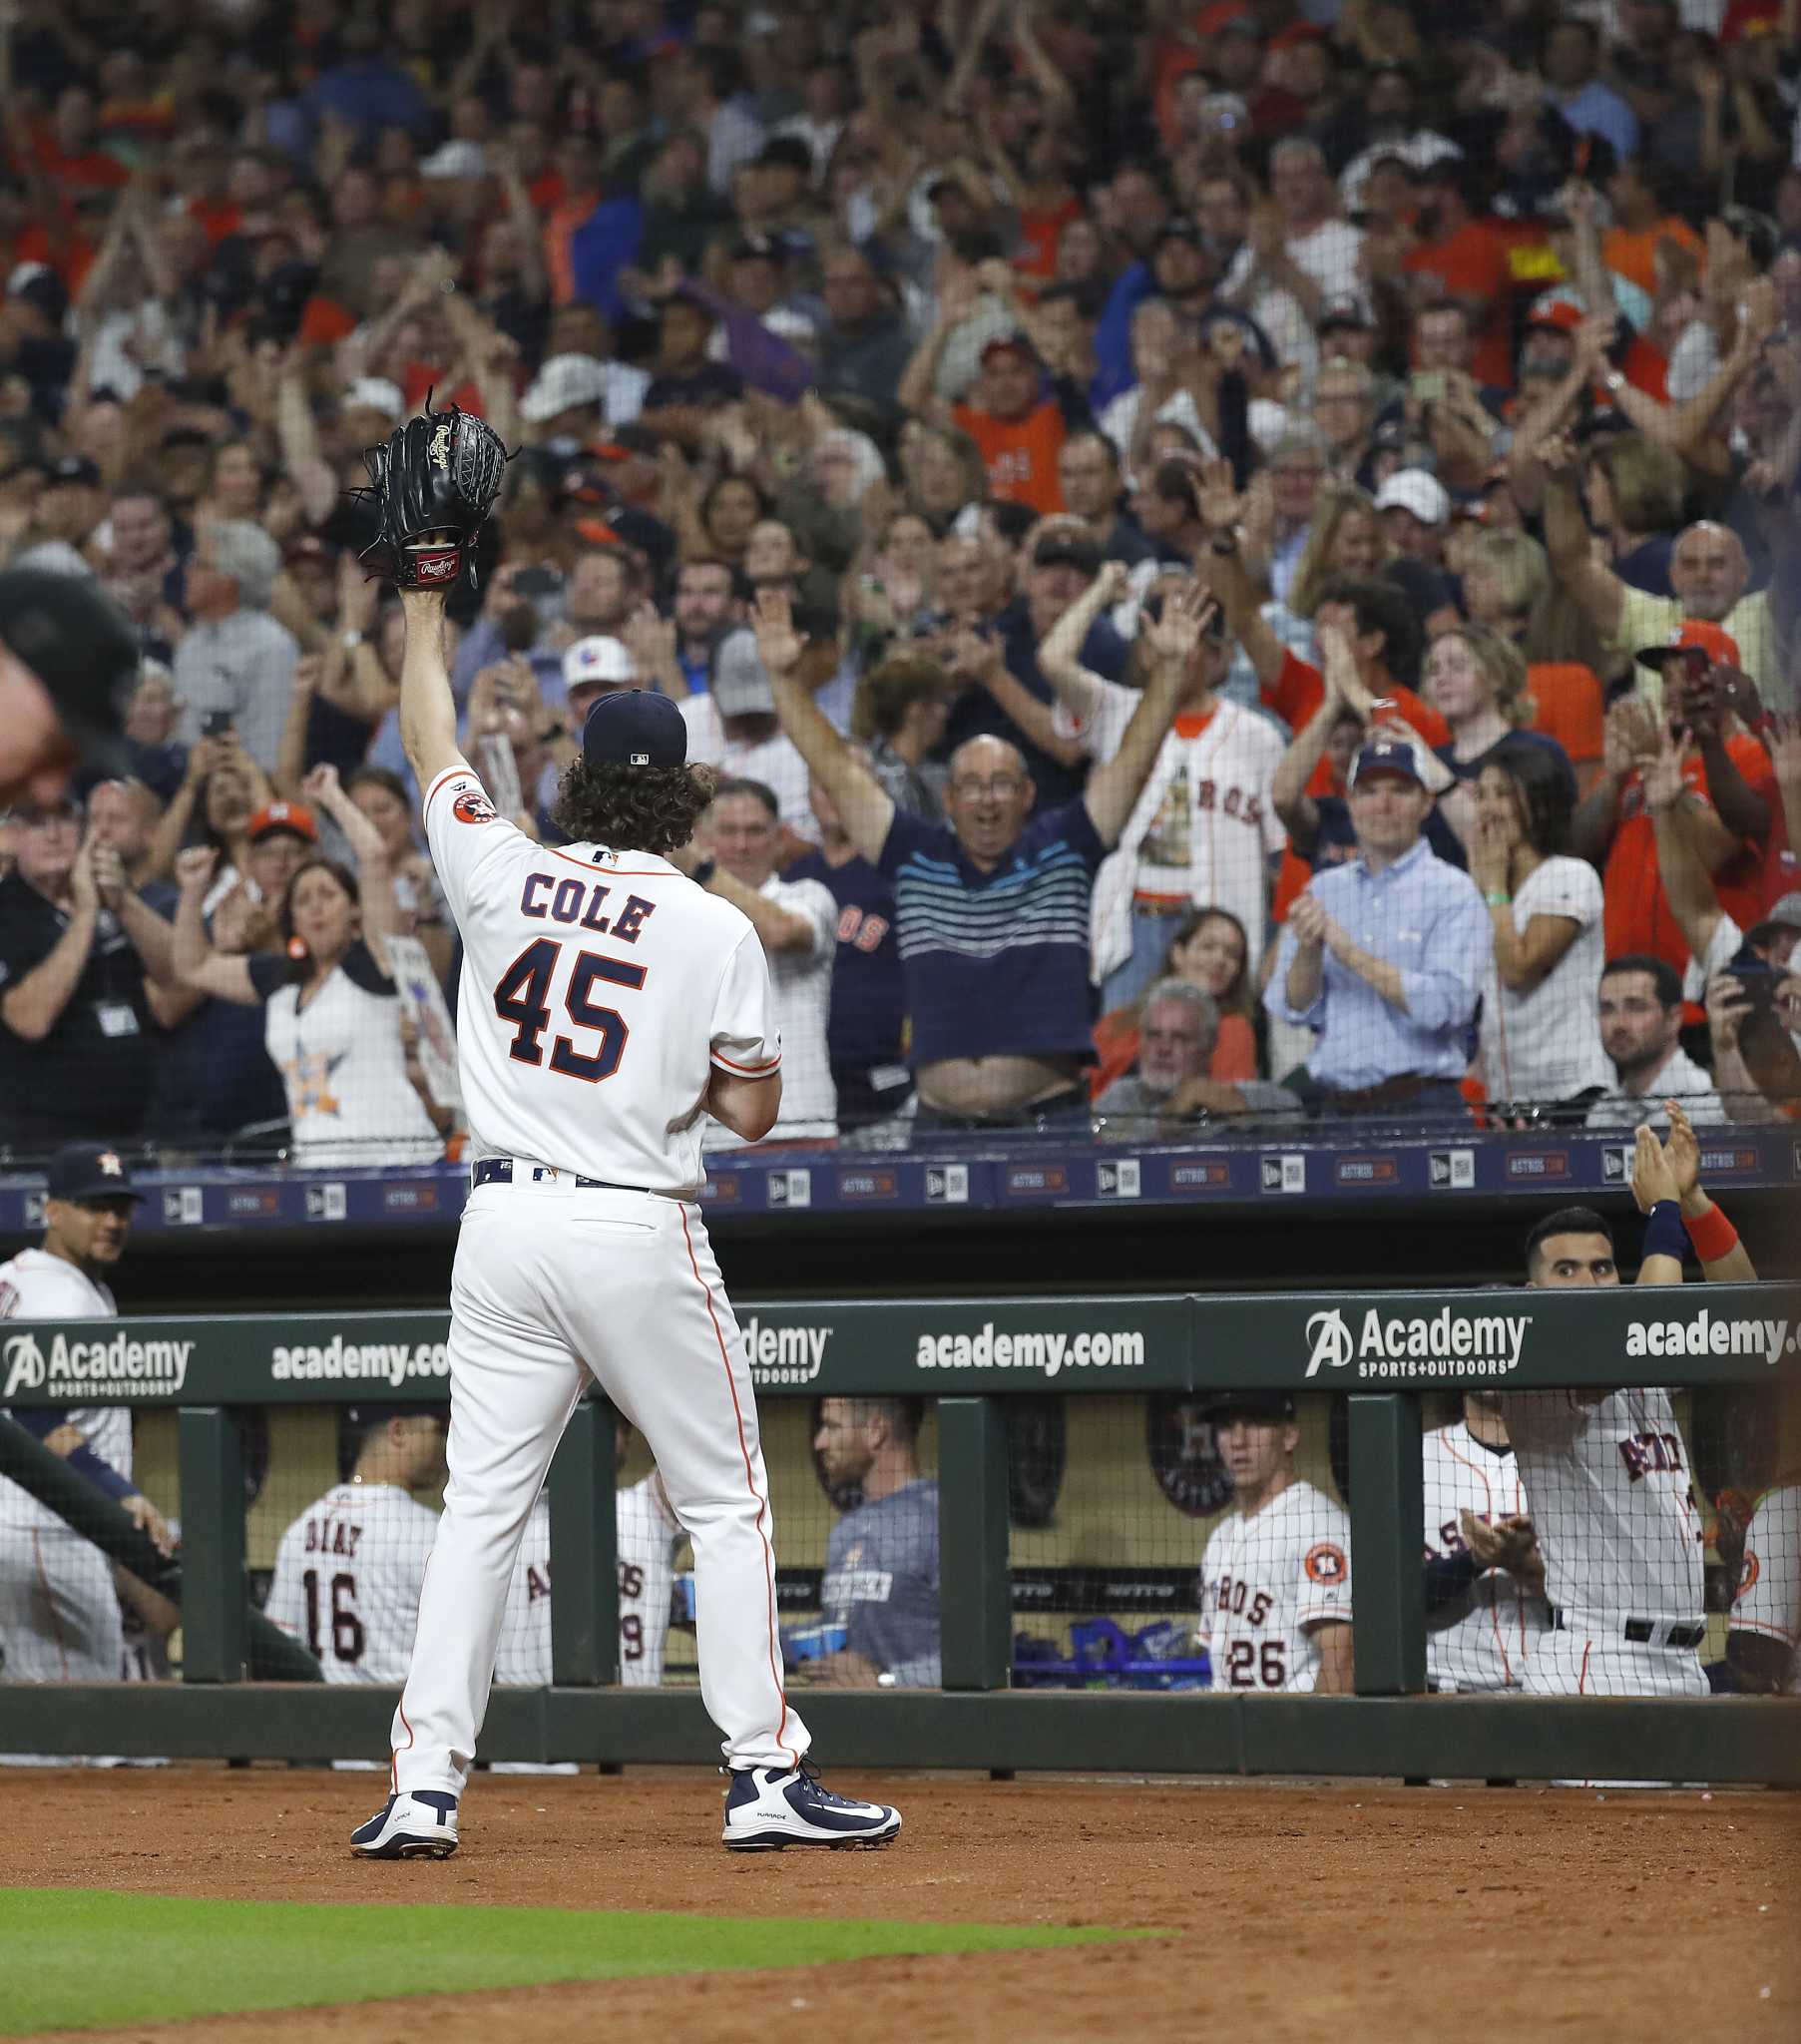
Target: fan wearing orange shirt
{"points": [[1018, 421], [1729, 808], [1462, 258]]}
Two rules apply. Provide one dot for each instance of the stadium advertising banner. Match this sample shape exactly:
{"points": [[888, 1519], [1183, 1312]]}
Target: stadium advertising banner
{"points": [[1367, 1342]]}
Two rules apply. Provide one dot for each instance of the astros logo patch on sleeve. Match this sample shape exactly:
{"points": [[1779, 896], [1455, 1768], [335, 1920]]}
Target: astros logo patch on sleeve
{"points": [[1325, 1563], [472, 807]]}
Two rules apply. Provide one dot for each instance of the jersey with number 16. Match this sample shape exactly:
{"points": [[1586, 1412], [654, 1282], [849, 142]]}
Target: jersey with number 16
{"points": [[599, 991]]}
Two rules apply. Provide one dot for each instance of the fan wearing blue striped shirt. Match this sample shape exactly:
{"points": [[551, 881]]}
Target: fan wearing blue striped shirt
{"points": [[992, 910]]}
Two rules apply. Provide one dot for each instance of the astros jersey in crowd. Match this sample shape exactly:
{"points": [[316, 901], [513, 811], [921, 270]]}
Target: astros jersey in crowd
{"points": [[1268, 1583]]}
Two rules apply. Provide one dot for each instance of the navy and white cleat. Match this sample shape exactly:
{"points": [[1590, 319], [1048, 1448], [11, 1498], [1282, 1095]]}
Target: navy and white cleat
{"points": [[768, 1808], [419, 1826]]}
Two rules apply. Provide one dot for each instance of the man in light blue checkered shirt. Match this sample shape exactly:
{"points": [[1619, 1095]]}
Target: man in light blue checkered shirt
{"points": [[1385, 956]]}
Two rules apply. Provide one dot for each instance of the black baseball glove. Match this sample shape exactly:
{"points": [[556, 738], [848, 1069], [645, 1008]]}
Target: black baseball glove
{"points": [[432, 484]]}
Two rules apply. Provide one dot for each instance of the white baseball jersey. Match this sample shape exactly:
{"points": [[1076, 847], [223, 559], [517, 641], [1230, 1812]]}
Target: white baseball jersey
{"points": [[1486, 1639], [600, 989], [1607, 1491], [801, 985], [647, 1535], [35, 1285], [347, 1577], [1264, 1580], [1769, 1584], [1204, 828]]}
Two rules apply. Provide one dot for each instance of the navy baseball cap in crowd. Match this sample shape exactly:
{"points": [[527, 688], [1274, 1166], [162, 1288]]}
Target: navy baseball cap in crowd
{"points": [[1387, 755], [634, 728], [89, 1171]]}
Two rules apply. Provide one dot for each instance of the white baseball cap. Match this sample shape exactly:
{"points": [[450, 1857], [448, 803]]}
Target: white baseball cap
{"points": [[1412, 489], [375, 393], [600, 659], [456, 160], [564, 382]]}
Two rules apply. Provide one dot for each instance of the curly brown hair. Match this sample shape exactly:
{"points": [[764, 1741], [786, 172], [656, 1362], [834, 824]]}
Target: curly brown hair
{"points": [[629, 808]]}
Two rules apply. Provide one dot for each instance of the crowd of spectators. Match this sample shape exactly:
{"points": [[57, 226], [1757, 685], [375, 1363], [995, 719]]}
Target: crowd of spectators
{"points": [[1236, 561]]}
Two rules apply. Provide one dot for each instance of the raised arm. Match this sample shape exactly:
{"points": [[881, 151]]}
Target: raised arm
{"points": [[855, 793], [1653, 1186], [1730, 1264], [1059, 650], [1288, 788], [1225, 569], [1175, 640], [1597, 589], [428, 710], [1686, 886], [374, 873], [298, 435], [195, 962]]}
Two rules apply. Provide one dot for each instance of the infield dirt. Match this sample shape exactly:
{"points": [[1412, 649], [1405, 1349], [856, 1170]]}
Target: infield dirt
{"points": [[1293, 1909]]}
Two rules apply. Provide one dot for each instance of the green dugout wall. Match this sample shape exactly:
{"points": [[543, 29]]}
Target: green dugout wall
{"points": [[1383, 1350]]}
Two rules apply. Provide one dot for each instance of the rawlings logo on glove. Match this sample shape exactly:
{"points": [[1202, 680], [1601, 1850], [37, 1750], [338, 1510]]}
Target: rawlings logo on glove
{"points": [[433, 484]]}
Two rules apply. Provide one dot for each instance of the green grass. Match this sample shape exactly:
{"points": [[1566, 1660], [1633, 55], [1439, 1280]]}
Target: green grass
{"points": [[87, 1958]]}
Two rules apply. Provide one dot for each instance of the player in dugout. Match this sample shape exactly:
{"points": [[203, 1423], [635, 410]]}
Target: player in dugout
{"points": [[1606, 1477]]}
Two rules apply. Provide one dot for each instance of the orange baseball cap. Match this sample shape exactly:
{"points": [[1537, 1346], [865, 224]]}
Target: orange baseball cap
{"points": [[293, 816], [1693, 635]]}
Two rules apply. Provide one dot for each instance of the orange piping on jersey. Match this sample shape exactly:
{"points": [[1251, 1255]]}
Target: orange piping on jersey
{"points": [[747, 1071], [1506, 1666], [62, 1645], [448, 774], [1581, 1681], [762, 1503], [1758, 1625]]}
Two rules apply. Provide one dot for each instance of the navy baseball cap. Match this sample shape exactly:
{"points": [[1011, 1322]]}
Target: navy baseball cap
{"points": [[634, 728], [78, 643], [1251, 1405], [1387, 755], [86, 1171]]}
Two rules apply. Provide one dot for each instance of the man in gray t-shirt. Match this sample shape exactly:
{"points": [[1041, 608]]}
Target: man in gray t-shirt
{"points": [[881, 1566]]}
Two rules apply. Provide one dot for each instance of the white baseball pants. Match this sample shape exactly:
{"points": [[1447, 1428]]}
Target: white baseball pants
{"points": [[59, 1613], [1589, 1662], [552, 1284]]}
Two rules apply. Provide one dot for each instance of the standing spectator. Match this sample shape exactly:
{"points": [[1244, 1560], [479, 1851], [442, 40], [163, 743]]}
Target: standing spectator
{"points": [[1088, 469], [1385, 956], [796, 922], [1482, 1618], [993, 911], [1461, 258], [734, 727], [1539, 1044], [1416, 515], [1574, 87], [332, 1016], [1019, 429], [900, 712], [881, 1563], [864, 346], [1641, 1012], [1275, 1577], [1475, 681], [83, 963], [350, 1567], [705, 607], [1729, 809], [866, 1028], [1203, 832], [235, 662]]}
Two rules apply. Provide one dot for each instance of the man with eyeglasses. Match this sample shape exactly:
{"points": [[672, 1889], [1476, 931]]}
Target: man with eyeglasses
{"points": [[991, 911], [86, 972]]}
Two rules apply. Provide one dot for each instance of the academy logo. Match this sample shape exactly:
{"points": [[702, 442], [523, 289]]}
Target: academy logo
{"points": [[784, 1356], [1711, 1334], [1409, 1346], [121, 1366], [388, 1363]]}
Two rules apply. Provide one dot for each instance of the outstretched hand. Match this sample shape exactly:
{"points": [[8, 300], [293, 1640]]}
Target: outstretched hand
{"points": [[778, 645]]}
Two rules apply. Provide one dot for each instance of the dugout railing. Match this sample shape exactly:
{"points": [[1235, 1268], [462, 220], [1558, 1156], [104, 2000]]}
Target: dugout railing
{"points": [[1384, 1351]]}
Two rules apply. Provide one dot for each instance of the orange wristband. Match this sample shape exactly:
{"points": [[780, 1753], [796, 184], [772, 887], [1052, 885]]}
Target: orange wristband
{"points": [[1712, 1233]]}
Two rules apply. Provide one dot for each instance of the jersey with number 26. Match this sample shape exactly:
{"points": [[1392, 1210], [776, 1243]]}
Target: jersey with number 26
{"points": [[600, 991], [1264, 1580]]}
